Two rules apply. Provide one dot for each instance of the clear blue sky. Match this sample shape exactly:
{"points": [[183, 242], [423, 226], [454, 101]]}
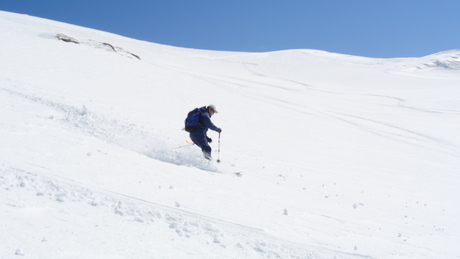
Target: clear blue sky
{"points": [[371, 28]]}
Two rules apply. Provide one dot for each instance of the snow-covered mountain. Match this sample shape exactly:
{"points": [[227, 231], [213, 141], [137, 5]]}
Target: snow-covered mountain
{"points": [[339, 156]]}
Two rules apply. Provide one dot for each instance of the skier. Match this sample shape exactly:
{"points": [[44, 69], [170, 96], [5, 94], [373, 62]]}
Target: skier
{"points": [[199, 136]]}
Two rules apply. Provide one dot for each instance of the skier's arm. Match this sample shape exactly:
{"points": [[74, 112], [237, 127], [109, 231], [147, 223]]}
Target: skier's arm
{"points": [[208, 123]]}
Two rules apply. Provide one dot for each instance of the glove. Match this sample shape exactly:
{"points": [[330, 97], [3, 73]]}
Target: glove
{"points": [[209, 140], [219, 130]]}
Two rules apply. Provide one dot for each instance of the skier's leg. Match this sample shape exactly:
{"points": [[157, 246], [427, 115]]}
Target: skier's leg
{"points": [[201, 141], [207, 151], [195, 139]]}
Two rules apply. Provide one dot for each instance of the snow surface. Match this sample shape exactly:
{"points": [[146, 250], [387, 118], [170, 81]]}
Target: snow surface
{"points": [[341, 156]]}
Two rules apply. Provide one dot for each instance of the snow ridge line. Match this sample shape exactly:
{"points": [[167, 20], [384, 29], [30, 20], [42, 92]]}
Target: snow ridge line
{"points": [[184, 224]]}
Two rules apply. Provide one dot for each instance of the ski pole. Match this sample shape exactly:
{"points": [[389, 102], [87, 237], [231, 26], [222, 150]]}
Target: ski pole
{"points": [[218, 149]]}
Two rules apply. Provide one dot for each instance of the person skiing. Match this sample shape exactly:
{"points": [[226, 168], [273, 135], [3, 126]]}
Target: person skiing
{"points": [[199, 136]]}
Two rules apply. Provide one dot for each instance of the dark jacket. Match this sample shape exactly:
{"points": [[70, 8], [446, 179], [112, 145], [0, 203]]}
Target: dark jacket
{"points": [[205, 121], [199, 136]]}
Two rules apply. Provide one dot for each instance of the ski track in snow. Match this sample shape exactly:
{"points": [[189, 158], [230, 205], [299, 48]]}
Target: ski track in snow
{"points": [[400, 134], [383, 129], [118, 133]]}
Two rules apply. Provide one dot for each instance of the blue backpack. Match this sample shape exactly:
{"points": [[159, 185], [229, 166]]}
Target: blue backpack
{"points": [[193, 120]]}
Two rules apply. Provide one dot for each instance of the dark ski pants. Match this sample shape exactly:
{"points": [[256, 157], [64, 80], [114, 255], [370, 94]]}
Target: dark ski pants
{"points": [[199, 138]]}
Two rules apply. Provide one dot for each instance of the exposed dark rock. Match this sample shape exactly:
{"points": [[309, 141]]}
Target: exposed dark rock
{"points": [[99, 45], [66, 38]]}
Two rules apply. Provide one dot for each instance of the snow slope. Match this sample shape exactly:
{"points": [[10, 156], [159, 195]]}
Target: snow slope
{"points": [[341, 156]]}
